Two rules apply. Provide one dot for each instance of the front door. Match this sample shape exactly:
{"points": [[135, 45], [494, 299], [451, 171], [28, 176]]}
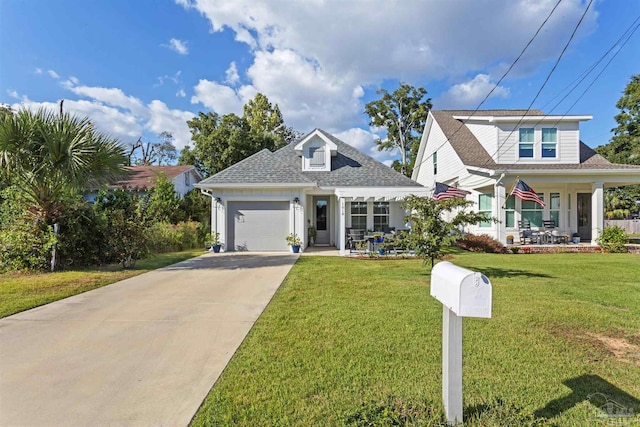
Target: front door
{"points": [[321, 216], [584, 216]]}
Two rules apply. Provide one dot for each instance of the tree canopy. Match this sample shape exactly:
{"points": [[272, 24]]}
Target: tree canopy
{"points": [[51, 156], [150, 153], [403, 113], [624, 147], [222, 141]]}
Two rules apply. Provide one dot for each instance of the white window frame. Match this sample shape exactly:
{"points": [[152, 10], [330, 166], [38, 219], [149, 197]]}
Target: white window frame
{"points": [[313, 151], [487, 223], [522, 143], [549, 143], [384, 215], [359, 214]]}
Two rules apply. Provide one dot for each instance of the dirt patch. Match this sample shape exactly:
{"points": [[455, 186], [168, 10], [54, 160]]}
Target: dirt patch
{"points": [[622, 349]]}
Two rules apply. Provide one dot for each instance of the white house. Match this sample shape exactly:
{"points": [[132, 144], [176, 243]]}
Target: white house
{"points": [[486, 151], [319, 181], [143, 178]]}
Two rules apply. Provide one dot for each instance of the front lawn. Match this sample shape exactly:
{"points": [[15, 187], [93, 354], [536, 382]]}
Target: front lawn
{"points": [[347, 341], [21, 291]]}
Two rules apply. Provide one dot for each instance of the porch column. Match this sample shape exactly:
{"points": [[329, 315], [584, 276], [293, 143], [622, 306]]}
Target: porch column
{"points": [[499, 192], [597, 210], [342, 224]]}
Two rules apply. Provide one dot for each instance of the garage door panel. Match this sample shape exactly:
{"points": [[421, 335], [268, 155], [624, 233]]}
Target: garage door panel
{"points": [[257, 226]]}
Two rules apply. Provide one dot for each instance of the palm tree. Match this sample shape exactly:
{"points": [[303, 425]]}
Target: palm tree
{"points": [[50, 156]]}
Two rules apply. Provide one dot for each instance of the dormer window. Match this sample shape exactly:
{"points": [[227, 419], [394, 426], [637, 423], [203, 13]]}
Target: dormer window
{"points": [[317, 157], [316, 151]]}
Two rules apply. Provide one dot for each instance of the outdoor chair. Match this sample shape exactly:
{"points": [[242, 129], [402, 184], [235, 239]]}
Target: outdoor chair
{"points": [[524, 228], [356, 237]]}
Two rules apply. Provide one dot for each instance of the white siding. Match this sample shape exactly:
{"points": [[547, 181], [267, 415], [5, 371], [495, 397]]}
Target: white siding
{"points": [[449, 165], [568, 148], [180, 184], [487, 135]]}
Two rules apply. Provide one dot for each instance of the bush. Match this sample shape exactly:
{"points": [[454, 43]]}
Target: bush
{"points": [[164, 237], [613, 239], [25, 246], [482, 243]]}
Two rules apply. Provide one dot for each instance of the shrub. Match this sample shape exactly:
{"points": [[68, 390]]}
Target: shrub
{"points": [[164, 237], [613, 239], [25, 246], [482, 243]]}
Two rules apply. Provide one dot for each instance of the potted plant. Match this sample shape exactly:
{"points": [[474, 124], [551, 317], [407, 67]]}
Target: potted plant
{"points": [[215, 242], [294, 241], [509, 239], [575, 237], [312, 232], [378, 238]]}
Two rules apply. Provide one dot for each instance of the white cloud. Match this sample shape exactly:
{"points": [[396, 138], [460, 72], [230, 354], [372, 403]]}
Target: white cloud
{"points": [[118, 114], [231, 74], [220, 98], [13, 94], [53, 74], [181, 93], [317, 72], [470, 93], [177, 46], [38, 70], [74, 80]]}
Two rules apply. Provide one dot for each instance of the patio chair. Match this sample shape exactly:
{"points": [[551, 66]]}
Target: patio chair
{"points": [[524, 228], [356, 237]]}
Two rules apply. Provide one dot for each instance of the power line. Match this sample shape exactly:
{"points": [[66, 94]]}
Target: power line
{"points": [[501, 78]]}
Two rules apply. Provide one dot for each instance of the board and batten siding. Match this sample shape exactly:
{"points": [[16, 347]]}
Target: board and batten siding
{"points": [[568, 148]]}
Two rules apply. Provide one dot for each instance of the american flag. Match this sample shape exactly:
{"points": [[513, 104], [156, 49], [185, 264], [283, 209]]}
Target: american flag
{"points": [[523, 192], [444, 192]]}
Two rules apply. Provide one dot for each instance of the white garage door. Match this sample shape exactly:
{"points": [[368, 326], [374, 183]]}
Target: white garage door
{"points": [[257, 226]]}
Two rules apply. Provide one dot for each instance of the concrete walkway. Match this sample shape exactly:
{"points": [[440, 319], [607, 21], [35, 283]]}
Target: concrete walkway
{"points": [[144, 351]]}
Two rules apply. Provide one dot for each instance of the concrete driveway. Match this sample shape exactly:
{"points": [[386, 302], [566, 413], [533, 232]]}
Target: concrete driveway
{"points": [[144, 351]]}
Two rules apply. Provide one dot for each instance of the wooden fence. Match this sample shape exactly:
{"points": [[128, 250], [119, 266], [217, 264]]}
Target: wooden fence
{"points": [[631, 226]]}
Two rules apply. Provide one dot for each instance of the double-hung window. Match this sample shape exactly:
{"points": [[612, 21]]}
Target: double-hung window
{"points": [[533, 211], [359, 215], [549, 142], [510, 212], [435, 163], [380, 216], [554, 208], [485, 205], [525, 146]]}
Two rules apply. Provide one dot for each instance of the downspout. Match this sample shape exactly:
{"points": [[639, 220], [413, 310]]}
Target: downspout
{"points": [[214, 211]]}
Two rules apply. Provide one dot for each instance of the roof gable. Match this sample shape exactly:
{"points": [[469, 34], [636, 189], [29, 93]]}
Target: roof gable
{"points": [[146, 176], [349, 168]]}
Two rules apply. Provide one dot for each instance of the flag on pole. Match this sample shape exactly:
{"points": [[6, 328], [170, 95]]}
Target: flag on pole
{"points": [[523, 192], [444, 192]]}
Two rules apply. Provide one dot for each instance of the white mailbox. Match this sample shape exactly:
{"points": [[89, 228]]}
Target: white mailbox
{"points": [[465, 292]]}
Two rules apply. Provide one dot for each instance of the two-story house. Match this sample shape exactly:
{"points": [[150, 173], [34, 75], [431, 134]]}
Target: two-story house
{"points": [[486, 151], [319, 181]]}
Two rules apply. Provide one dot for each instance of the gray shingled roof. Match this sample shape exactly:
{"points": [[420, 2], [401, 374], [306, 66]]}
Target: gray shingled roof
{"points": [[472, 153], [349, 168], [262, 167]]}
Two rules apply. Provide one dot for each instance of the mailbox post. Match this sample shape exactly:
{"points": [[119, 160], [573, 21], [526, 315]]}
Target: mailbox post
{"points": [[463, 293]]}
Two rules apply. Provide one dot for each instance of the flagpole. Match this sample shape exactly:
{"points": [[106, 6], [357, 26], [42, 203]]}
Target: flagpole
{"points": [[512, 188]]}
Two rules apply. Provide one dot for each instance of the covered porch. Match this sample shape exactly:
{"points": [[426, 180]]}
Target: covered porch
{"points": [[371, 210]]}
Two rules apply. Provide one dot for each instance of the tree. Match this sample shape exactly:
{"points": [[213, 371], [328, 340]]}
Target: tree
{"points": [[52, 157], [431, 231], [624, 147], [153, 152], [403, 113], [163, 204], [221, 141]]}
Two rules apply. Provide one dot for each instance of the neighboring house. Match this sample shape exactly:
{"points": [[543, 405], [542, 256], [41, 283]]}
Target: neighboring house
{"points": [[318, 181], [485, 151], [143, 178]]}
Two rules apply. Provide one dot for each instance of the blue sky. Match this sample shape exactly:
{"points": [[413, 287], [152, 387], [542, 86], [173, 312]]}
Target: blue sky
{"points": [[145, 66]]}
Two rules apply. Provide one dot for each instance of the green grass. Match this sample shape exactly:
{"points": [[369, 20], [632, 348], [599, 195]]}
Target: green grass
{"points": [[347, 341], [21, 291]]}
